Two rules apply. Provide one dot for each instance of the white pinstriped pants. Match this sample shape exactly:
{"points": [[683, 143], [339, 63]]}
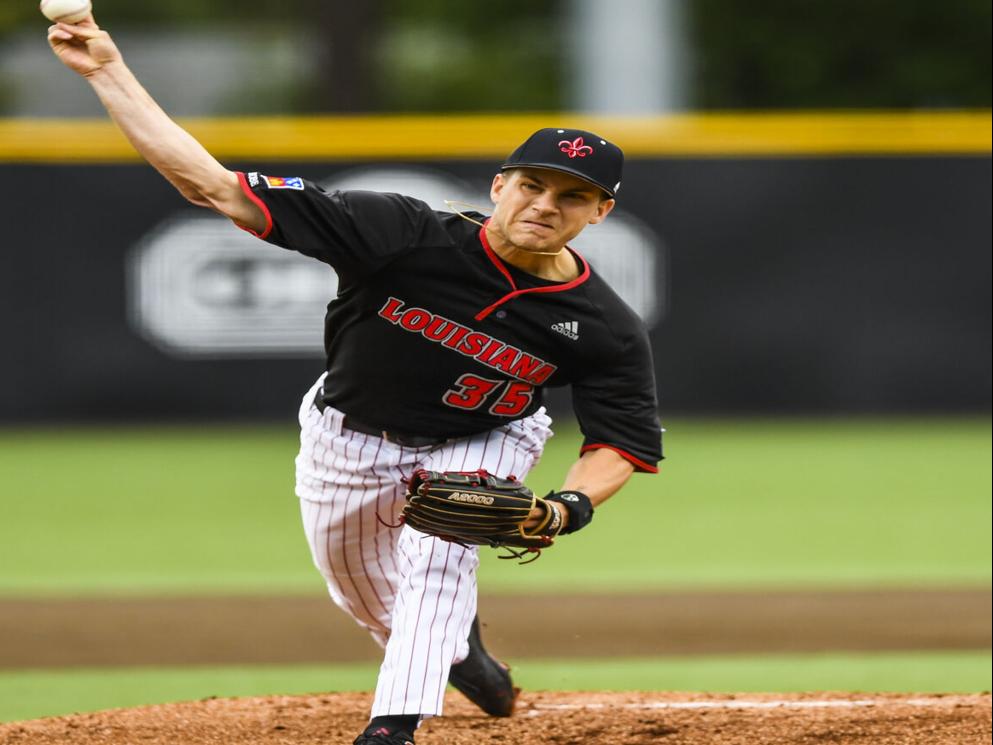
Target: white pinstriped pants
{"points": [[416, 594]]}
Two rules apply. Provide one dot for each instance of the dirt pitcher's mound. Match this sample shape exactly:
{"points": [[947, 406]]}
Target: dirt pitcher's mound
{"points": [[541, 719]]}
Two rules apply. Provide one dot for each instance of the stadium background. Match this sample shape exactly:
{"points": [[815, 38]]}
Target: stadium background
{"points": [[805, 226]]}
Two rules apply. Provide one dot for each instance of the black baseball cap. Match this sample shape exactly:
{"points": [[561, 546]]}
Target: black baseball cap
{"points": [[574, 151]]}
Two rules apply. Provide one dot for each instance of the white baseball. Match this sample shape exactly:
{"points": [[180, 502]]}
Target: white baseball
{"points": [[67, 11]]}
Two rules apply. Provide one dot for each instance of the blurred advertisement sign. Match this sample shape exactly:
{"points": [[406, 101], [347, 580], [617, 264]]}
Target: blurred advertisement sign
{"points": [[857, 284], [198, 286]]}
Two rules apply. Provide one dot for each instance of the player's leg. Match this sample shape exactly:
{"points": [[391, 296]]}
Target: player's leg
{"points": [[436, 596], [350, 497], [435, 601], [366, 596]]}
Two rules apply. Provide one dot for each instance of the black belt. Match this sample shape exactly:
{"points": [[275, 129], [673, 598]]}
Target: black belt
{"points": [[407, 441]]}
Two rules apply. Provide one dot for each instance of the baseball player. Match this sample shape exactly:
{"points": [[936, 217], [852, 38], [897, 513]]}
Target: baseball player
{"points": [[444, 333]]}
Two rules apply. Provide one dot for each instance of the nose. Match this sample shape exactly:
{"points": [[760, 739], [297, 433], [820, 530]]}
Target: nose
{"points": [[544, 203]]}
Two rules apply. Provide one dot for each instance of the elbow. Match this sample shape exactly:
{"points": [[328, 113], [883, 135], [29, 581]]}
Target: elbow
{"points": [[223, 194], [216, 191], [191, 192], [196, 198], [233, 199]]}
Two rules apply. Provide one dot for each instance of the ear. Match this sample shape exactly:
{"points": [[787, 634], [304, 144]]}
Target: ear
{"points": [[602, 210], [499, 182]]}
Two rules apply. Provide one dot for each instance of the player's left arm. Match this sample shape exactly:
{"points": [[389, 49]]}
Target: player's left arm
{"points": [[598, 474], [617, 410]]}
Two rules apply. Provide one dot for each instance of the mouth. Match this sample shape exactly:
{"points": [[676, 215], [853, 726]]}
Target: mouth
{"points": [[539, 225]]}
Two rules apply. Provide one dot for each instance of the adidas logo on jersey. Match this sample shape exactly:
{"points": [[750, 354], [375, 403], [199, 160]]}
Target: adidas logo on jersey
{"points": [[567, 328]]}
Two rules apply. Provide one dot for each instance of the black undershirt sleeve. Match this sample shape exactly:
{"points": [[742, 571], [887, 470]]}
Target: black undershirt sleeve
{"points": [[356, 232], [617, 408]]}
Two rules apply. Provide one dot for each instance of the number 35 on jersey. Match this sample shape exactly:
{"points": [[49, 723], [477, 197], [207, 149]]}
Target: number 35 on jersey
{"points": [[505, 397]]}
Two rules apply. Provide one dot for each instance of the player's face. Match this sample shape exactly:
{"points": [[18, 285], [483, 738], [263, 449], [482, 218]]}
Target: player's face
{"points": [[541, 210]]}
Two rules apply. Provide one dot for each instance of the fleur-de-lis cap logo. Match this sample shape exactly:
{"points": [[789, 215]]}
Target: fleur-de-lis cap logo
{"points": [[583, 154], [575, 148]]}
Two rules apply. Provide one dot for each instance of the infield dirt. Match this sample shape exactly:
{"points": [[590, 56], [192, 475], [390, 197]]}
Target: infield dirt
{"points": [[38, 633], [541, 719], [93, 632]]}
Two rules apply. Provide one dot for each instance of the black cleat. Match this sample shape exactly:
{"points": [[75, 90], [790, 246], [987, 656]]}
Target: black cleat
{"points": [[484, 680], [383, 736]]}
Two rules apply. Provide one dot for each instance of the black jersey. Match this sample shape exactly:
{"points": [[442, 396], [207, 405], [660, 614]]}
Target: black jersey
{"points": [[432, 334]]}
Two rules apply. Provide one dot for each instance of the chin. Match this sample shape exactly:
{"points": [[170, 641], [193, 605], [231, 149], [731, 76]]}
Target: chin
{"points": [[530, 242]]}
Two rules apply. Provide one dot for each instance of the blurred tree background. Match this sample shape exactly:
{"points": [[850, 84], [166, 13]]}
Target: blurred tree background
{"points": [[842, 54], [442, 55]]}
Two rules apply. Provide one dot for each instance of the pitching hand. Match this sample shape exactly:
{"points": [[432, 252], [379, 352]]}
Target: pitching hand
{"points": [[83, 47]]}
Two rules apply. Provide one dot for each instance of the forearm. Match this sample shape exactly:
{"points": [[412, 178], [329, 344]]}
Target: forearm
{"points": [[88, 50], [599, 474], [164, 144]]}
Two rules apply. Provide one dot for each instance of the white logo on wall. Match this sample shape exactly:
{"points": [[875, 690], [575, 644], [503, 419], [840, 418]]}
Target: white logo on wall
{"points": [[198, 286]]}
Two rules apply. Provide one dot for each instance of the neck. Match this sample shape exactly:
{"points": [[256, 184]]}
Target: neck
{"points": [[557, 266]]}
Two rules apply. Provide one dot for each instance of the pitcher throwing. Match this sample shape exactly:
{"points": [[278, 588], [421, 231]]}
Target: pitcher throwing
{"points": [[444, 334]]}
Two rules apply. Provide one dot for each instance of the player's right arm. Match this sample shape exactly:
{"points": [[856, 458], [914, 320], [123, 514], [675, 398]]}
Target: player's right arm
{"points": [[89, 51]]}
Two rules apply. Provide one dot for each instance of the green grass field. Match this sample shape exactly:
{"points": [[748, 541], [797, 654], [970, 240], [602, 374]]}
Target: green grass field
{"points": [[739, 504]]}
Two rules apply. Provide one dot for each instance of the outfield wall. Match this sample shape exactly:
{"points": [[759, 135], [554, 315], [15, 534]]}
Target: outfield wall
{"points": [[846, 270]]}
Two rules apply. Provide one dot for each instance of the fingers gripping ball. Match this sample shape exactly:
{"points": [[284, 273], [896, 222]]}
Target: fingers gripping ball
{"points": [[66, 11], [478, 508]]}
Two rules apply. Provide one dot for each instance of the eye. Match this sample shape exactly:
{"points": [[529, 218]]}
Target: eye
{"points": [[531, 187]]}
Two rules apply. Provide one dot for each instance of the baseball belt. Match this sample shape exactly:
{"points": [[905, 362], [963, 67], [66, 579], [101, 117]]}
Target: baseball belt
{"points": [[397, 438]]}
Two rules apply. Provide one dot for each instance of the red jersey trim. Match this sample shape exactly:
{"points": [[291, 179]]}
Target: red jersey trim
{"points": [[498, 263], [243, 181], [639, 464], [484, 239]]}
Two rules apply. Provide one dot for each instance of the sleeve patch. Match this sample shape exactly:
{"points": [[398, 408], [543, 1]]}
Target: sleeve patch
{"points": [[284, 182]]}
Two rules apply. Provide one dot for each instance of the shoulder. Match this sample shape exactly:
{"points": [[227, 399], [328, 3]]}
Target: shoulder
{"points": [[461, 227], [403, 206], [424, 226], [624, 325], [386, 202]]}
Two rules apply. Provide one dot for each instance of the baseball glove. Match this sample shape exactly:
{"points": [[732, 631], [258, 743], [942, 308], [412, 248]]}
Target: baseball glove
{"points": [[478, 508]]}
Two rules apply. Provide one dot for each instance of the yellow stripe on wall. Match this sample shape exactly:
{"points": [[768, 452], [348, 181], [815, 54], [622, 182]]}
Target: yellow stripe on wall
{"points": [[492, 137]]}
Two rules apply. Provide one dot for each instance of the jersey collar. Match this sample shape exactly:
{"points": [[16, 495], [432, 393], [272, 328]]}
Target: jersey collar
{"points": [[584, 275]]}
